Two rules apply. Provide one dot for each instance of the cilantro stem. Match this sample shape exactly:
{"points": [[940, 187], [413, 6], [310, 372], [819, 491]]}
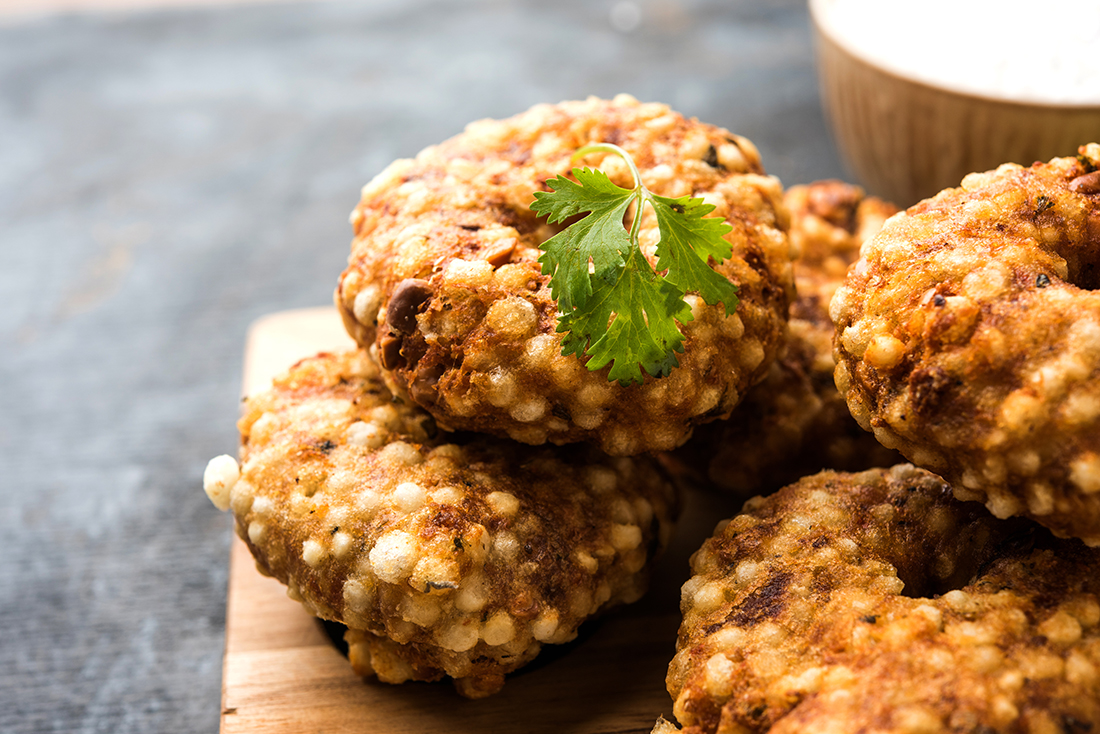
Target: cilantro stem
{"points": [[641, 196]]}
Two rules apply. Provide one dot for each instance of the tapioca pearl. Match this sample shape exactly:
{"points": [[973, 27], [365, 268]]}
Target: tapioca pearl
{"points": [[586, 561], [400, 453], [856, 338], [695, 145], [932, 615], [707, 399], [1084, 472], [394, 556], [366, 305], [513, 277], [532, 434], [313, 553], [505, 546], [365, 435], [917, 719], [1084, 608], [1040, 498], [499, 629], [472, 595], [539, 351], [959, 601], [385, 416], [588, 420], [512, 317], [501, 390], [1080, 671], [366, 500], [601, 479], [221, 473], [263, 428], [1039, 664], [625, 537], [342, 481], [1081, 408], [888, 437], [616, 169], [662, 124], [530, 410], [731, 158], [420, 609], [241, 495], [884, 352], [447, 495], [1026, 462], [459, 636], [545, 626], [1061, 628], [994, 470], [408, 497], [257, 531], [503, 503], [745, 572], [718, 676], [708, 598], [580, 604], [1084, 339], [342, 543]]}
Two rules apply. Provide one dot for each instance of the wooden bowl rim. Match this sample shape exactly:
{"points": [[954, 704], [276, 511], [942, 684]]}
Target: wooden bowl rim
{"points": [[822, 29]]}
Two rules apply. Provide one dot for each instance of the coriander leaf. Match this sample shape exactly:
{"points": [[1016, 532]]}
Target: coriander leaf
{"points": [[600, 237], [642, 310], [612, 306], [687, 240]]}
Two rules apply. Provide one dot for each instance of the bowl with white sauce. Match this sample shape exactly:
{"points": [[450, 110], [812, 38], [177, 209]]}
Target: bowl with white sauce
{"points": [[919, 93]]}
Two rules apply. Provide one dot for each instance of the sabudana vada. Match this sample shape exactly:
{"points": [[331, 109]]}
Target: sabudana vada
{"points": [[444, 285], [794, 422], [968, 338], [877, 602], [446, 555]]}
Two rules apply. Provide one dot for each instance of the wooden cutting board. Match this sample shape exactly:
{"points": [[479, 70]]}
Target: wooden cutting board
{"points": [[282, 673]]}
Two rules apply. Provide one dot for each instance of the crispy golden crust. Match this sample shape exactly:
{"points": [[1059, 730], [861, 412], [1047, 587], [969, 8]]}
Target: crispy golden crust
{"points": [[446, 555], [876, 602], [444, 286], [795, 422], [968, 337]]}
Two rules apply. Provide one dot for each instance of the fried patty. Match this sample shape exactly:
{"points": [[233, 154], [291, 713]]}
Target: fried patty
{"points": [[877, 602], [968, 338], [795, 422], [446, 555], [443, 284]]}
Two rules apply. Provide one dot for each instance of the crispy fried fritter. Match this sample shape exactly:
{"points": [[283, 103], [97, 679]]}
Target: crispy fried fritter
{"points": [[443, 283], [795, 422], [876, 602], [446, 555], [968, 337]]}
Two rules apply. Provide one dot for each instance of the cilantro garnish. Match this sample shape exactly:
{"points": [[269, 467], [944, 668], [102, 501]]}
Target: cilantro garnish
{"points": [[612, 305]]}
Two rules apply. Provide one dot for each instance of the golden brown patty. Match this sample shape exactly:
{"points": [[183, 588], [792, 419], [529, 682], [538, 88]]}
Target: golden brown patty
{"points": [[968, 337], [443, 283], [446, 555], [795, 422], [876, 602]]}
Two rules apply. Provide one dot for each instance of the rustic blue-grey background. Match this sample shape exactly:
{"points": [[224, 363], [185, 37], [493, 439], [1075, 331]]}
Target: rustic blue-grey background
{"points": [[168, 176]]}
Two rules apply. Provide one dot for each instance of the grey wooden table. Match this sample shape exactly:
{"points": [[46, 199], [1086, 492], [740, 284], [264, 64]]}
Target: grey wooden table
{"points": [[166, 177]]}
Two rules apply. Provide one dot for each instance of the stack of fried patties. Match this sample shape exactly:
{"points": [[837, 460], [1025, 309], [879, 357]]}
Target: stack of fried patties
{"points": [[458, 493]]}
